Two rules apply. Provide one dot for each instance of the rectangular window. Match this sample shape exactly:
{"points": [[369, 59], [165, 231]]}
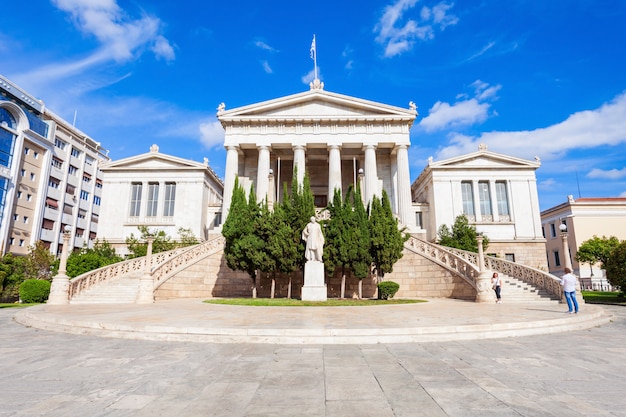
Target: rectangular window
{"points": [[72, 170], [170, 198], [70, 189], [19, 194], [96, 200], [98, 183], [25, 219], [543, 231], [552, 230], [81, 213], [557, 259], [418, 219], [52, 203], [509, 257], [89, 160], [60, 144], [32, 176], [153, 199], [86, 178], [135, 199], [484, 195], [502, 198], [67, 209], [57, 163], [468, 198], [75, 153], [26, 150], [84, 195], [47, 224]]}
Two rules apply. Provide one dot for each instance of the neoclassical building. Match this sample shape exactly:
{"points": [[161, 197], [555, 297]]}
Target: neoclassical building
{"points": [[160, 191], [336, 139]]}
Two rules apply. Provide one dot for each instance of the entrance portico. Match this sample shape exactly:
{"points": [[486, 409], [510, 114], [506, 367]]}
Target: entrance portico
{"points": [[333, 138]]}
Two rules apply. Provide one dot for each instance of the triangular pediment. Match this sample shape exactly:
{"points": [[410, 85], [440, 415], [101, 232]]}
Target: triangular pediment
{"points": [[484, 159], [152, 161], [316, 104]]}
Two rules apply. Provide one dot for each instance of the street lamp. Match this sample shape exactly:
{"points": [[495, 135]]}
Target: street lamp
{"points": [[60, 288], [568, 259]]}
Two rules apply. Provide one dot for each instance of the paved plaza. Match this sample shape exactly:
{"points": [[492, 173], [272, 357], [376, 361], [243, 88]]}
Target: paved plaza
{"points": [[564, 373]]}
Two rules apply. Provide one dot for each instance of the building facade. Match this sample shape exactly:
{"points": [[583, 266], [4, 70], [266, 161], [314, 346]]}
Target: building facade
{"points": [[49, 176], [583, 219], [335, 139], [161, 192]]}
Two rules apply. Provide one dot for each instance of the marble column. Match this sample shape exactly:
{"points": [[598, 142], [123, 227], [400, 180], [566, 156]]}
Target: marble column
{"points": [[231, 171], [334, 170], [299, 162], [371, 174], [403, 190], [262, 173]]}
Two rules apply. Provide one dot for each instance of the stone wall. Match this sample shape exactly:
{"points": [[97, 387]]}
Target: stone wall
{"points": [[531, 254], [210, 277]]}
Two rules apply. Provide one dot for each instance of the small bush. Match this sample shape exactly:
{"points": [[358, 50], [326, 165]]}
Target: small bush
{"points": [[387, 289], [34, 291]]}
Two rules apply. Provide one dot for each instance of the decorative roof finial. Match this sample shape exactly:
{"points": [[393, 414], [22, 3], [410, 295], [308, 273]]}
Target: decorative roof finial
{"points": [[482, 147], [220, 108], [154, 148]]}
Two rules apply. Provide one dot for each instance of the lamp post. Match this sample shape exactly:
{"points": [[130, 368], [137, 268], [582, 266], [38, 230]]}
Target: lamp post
{"points": [[567, 259], [60, 288], [146, 283]]}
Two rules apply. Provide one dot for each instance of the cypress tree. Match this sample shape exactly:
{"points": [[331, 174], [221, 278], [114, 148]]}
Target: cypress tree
{"points": [[336, 237], [387, 241], [361, 258]]}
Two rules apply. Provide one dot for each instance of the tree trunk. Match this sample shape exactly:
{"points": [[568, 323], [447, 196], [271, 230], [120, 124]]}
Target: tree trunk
{"points": [[343, 283], [272, 291], [289, 288], [360, 289]]}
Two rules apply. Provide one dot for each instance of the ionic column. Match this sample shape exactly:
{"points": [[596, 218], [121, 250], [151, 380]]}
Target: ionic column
{"points": [[495, 215], [299, 163], [334, 170], [478, 213], [403, 188], [371, 174], [231, 170], [262, 173]]}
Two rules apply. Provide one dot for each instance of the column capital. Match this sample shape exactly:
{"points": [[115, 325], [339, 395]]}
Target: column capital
{"points": [[369, 146], [298, 146]]}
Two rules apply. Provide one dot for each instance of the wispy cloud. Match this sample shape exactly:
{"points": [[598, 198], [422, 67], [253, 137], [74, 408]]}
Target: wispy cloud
{"points": [[398, 34], [586, 129], [266, 66], [264, 46], [611, 174], [211, 133], [466, 111]]}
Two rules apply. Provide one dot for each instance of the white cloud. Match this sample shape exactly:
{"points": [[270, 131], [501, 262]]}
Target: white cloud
{"points": [[119, 35], [465, 112], [211, 133], [604, 126], [611, 174], [266, 67], [264, 46], [398, 36]]}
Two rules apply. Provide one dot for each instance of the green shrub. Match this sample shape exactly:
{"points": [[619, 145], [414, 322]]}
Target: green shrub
{"points": [[387, 289], [34, 291]]}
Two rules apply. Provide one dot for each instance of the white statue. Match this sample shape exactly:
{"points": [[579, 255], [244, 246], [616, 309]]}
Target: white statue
{"points": [[312, 235]]}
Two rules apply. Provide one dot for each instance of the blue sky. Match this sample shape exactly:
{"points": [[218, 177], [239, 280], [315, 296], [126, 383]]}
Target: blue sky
{"points": [[527, 77]]}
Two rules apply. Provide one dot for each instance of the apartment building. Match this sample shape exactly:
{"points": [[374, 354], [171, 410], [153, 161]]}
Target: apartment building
{"points": [[49, 176], [583, 218]]}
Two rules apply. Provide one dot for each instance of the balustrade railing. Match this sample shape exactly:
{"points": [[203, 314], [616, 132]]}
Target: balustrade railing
{"points": [[174, 263], [540, 279], [446, 258], [119, 269]]}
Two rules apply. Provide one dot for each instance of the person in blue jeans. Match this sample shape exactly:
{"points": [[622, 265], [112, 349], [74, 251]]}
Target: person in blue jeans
{"points": [[568, 281]]}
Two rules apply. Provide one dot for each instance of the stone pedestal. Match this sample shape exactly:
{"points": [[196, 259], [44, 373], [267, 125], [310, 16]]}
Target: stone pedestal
{"points": [[314, 288], [484, 293]]}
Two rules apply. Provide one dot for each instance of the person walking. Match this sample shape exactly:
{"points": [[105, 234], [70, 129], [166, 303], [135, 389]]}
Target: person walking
{"points": [[569, 281], [496, 284]]}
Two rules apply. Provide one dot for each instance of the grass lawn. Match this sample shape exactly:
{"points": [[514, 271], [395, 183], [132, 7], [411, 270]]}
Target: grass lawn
{"points": [[15, 305], [290, 302], [603, 297]]}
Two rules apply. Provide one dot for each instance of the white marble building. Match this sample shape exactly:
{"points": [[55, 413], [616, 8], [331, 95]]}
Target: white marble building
{"points": [[498, 194], [333, 137], [160, 191]]}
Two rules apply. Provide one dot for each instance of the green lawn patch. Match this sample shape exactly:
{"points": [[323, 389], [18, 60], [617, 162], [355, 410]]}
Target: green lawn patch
{"points": [[290, 302], [603, 297], [16, 305]]}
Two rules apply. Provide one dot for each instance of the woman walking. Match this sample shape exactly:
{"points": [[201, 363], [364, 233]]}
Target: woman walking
{"points": [[568, 281]]}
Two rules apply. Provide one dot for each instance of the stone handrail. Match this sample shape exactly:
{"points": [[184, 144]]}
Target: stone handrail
{"points": [[164, 270], [530, 275], [116, 270], [445, 257]]}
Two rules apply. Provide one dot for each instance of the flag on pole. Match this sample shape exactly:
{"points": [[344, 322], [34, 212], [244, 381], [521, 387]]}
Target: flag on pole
{"points": [[313, 51]]}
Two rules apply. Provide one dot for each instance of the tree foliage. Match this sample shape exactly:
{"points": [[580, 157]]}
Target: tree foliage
{"points": [[596, 250], [12, 274], [88, 259], [41, 264], [387, 240], [138, 246], [615, 266], [461, 236]]}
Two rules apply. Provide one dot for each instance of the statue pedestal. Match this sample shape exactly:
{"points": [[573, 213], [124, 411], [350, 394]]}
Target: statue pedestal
{"points": [[314, 288]]}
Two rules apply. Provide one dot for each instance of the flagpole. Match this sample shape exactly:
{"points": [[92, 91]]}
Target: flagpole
{"points": [[315, 56]]}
